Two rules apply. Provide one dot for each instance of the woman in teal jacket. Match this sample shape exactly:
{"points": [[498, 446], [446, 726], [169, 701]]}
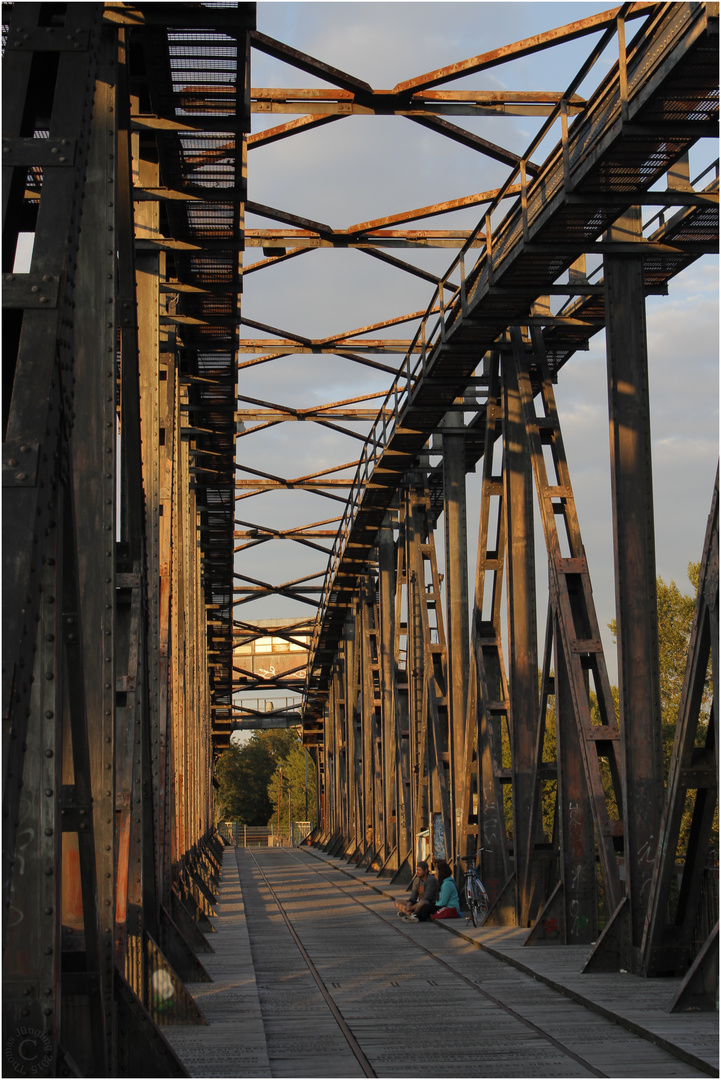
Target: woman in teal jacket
{"points": [[448, 906]]}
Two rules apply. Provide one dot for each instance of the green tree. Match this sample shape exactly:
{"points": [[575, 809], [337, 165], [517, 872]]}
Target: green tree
{"points": [[243, 774], [293, 788], [675, 619], [549, 788]]}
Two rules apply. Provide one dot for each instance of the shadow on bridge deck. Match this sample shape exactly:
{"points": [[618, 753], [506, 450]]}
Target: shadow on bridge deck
{"points": [[314, 976]]}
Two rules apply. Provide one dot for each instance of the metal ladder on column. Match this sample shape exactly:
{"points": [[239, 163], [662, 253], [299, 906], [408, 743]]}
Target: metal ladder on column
{"points": [[572, 602], [489, 690]]}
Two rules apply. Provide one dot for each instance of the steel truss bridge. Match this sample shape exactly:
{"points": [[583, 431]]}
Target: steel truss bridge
{"points": [[128, 460]]}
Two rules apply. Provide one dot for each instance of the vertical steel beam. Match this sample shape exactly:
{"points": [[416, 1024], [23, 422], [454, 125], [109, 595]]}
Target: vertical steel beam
{"points": [[32, 952], [670, 928], [130, 675], [93, 449], [42, 689], [333, 755], [409, 637], [432, 673], [85, 1001], [456, 560], [366, 713], [401, 660], [635, 565], [575, 821], [335, 711], [521, 595], [492, 720], [377, 745], [339, 683], [169, 434], [421, 780], [540, 852], [354, 751], [144, 289], [39, 410], [389, 711]]}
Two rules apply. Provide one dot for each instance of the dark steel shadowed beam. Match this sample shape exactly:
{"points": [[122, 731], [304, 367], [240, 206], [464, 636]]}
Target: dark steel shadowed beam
{"points": [[456, 560], [408, 267], [473, 142], [521, 592], [635, 565], [670, 929], [306, 63], [287, 218], [293, 127]]}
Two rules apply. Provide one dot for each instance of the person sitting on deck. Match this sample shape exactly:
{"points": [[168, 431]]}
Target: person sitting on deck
{"points": [[448, 905], [421, 903]]}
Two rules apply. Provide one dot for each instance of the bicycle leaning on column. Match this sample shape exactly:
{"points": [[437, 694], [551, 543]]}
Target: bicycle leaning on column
{"points": [[474, 890]]}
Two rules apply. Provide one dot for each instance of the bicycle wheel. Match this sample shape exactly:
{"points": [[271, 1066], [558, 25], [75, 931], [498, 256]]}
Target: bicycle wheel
{"points": [[480, 903]]}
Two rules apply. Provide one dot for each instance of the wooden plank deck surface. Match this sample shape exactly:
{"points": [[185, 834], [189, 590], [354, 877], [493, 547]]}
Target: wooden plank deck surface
{"points": [[415, 997], [233, 1041]]}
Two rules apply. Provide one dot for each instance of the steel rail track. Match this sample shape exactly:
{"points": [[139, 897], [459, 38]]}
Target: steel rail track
{"points": [[352, 1042], [337, 1016]]}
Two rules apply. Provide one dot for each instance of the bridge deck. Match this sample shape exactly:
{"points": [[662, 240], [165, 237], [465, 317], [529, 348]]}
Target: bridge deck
{"points": [[410, 993]]}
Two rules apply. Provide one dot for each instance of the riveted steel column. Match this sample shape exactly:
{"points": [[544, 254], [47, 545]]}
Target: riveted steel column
{"points": [[39, 325], [349, 693], [145, 286], [575, 822], [386, 629], [169, 432], [491, 689], [456, 552], [334, 755], [403, 748], [335, 707], [32, 953], [94, 474], [521, 583], [415, 663], [366, 712], [339, 682], [635, 565]]}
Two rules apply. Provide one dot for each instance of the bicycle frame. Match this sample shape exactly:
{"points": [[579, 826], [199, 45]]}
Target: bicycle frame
{"points": [[474, 891]]}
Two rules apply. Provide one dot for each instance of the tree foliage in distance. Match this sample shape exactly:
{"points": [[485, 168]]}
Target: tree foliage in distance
{"points": [[243, 773], [290, 792], [675, 620]]}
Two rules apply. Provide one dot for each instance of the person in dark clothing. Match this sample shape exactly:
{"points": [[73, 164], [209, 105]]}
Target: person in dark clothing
{"points": [[424, 891]]}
